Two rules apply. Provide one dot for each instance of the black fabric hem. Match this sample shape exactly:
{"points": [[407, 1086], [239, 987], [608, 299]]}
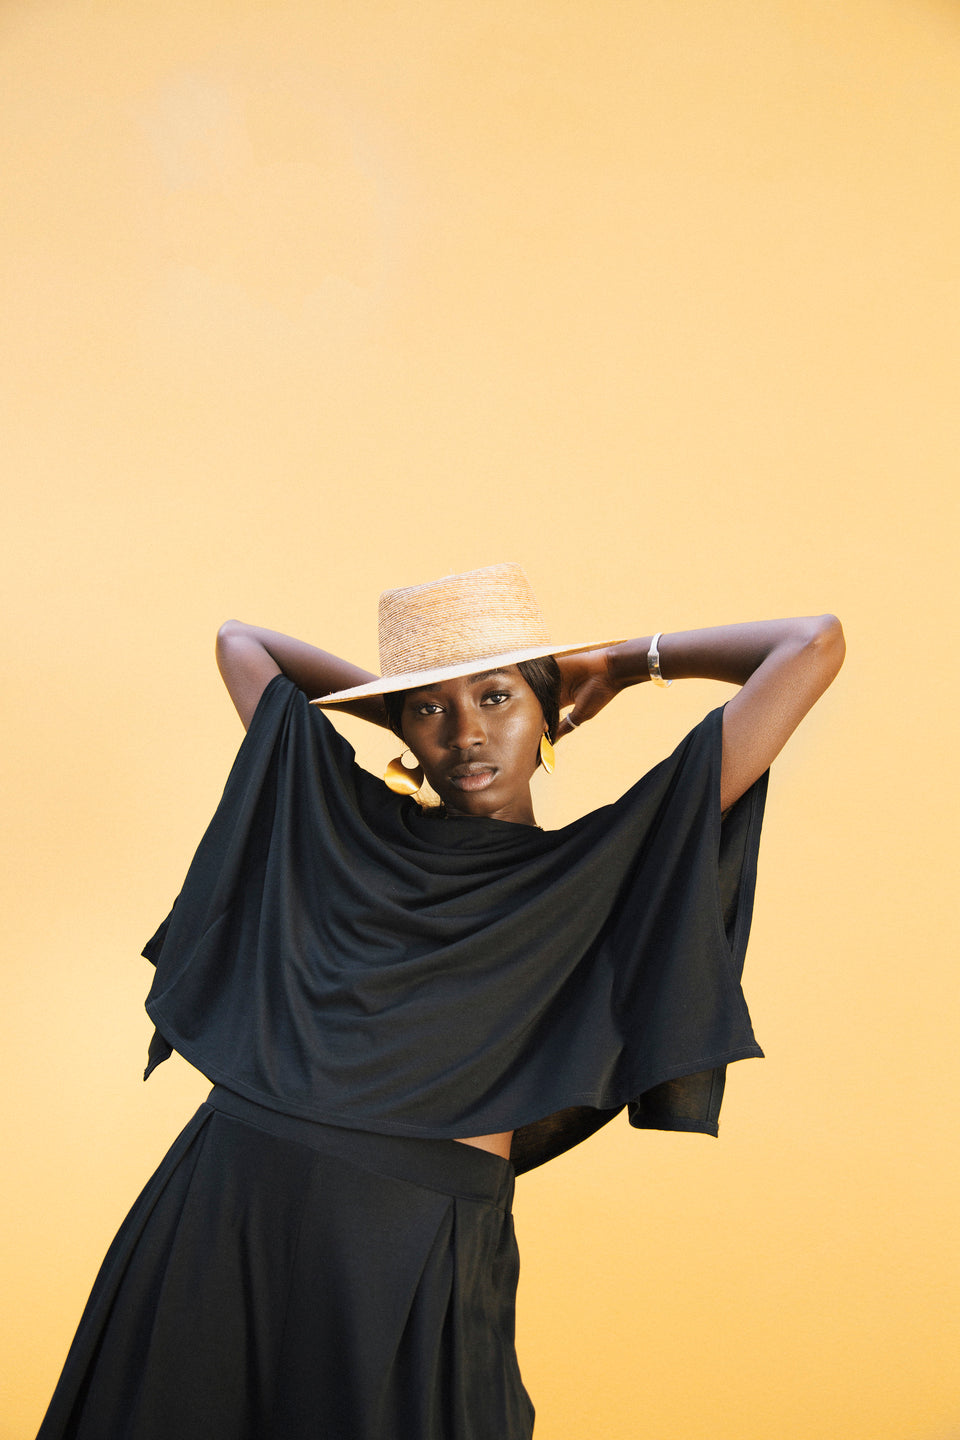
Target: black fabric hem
{"points": [[609, 1103]]}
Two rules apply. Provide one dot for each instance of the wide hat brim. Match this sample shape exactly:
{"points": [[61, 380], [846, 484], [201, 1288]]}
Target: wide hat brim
{"points": [[416, 679]]}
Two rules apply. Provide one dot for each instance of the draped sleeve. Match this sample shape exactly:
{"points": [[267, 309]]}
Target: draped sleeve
{"points": [[338, 954]]}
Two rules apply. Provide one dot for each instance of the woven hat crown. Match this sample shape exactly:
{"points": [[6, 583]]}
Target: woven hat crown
{"points": [[458, 620], [456, 626]]}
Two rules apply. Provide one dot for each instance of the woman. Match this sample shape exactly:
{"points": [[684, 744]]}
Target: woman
{"points": [[400, 1007]]}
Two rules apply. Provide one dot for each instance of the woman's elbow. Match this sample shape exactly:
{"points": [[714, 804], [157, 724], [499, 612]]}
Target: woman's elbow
{"points": [[826, 646], [229, 631]]}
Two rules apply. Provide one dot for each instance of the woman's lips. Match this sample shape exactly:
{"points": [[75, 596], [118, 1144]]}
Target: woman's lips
{"points": [[473, 777]]}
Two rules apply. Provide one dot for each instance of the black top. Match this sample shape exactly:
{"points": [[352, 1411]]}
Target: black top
{"points": [[338, 954]]}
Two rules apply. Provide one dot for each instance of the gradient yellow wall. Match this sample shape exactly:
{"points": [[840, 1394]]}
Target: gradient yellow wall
{"points": [[661, 300]]}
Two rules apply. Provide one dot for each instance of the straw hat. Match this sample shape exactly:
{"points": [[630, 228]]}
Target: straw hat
{"points": [[455, 626]]}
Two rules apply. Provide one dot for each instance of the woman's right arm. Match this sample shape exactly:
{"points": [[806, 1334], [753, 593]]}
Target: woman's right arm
{"points": [[249, 657]]}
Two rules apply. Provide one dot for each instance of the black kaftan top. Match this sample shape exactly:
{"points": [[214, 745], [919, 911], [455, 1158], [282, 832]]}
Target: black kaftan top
{"points": [[338, 954]]}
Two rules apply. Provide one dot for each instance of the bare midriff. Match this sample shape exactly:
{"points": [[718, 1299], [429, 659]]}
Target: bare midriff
{"points": [[496, 1144]]}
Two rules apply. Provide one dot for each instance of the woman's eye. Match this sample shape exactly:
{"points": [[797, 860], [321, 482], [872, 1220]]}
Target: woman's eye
{"points": [[427, 708], [496, 697]]}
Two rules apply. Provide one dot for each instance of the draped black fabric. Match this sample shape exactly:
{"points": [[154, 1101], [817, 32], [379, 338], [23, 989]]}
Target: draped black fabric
{"points": [[340, 955]]}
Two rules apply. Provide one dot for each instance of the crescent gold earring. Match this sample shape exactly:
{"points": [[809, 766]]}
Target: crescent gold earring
{"points": [[403, 779], [548, 756]]}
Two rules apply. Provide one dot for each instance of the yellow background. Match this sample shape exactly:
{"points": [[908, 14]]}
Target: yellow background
{"points": [[658, 298]]}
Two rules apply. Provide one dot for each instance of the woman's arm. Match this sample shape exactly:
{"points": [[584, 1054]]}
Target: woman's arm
{"points": [[249, 657], [783, 667]]}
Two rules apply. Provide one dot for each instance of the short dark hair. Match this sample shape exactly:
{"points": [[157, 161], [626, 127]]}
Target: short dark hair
{"points": [[543, 677]]}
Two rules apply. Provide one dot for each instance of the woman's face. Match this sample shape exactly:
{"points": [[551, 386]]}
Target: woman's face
{"points": [[477, 739]]}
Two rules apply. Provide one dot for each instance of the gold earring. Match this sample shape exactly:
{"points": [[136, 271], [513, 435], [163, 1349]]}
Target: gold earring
{"points": [[548, 756], [403, 779]]}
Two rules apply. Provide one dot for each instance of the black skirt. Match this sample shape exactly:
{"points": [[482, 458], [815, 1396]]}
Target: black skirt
{"points": [[281, 1278]]}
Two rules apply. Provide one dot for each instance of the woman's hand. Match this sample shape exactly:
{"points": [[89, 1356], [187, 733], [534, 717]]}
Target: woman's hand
{"points": [[588, 685]]}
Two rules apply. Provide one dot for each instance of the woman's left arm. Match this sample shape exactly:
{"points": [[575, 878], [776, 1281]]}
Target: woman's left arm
{"points": [[782, 666]]}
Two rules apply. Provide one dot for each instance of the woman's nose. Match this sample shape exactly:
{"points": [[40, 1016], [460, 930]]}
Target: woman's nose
{"points": [[466, 730]]}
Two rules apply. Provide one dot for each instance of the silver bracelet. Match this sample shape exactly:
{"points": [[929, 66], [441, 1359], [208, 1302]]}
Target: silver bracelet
{"points": [[653, 663]]}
